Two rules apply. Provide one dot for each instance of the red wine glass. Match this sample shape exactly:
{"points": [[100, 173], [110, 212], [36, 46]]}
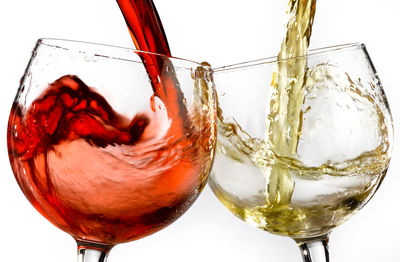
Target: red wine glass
{"points": [[111, 144]]}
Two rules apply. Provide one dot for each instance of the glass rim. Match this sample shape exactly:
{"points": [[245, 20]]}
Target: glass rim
{"points": [[82, 47], [311, 53]]}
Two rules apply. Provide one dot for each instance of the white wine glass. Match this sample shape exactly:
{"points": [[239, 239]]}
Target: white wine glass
{"points": [[298, 163], [103, 151]]}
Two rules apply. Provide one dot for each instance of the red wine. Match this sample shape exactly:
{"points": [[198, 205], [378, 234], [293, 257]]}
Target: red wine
{"points": [[148, 35], [145, 26], [97, 175]]}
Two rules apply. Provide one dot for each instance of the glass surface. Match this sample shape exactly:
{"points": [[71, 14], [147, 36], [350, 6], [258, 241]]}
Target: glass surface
{"points": [[342, 150], [100, 150]]}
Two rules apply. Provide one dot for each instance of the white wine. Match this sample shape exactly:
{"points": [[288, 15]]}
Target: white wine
{"points": [[287, 97], [325, 146], [326, 187]]}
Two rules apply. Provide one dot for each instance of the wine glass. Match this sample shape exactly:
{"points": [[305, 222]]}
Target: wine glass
{"points": [[298, 163], [111, 144]]}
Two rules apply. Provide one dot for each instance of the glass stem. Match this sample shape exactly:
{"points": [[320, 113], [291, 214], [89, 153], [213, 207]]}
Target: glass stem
{"points": [[89, 252], [314, 250]]}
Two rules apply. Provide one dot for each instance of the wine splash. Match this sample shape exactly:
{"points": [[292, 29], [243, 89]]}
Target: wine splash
{"points": [[70, 152], [333, 190]]}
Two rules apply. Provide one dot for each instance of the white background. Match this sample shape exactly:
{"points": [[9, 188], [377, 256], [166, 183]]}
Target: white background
{"points": [[220, 32]]}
